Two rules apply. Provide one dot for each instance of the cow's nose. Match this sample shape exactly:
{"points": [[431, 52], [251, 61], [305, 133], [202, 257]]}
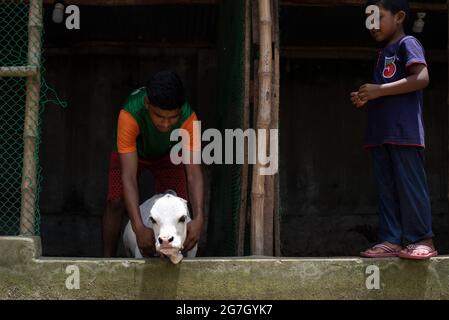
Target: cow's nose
{"points": [[165, 240]]}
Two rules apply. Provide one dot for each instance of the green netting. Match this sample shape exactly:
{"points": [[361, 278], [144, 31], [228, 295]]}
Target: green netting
{"points": [[23, 94], [225, 198]]}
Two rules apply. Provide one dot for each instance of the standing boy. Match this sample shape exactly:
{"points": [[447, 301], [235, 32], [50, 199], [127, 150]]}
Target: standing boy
{"points": [[395, 138]]}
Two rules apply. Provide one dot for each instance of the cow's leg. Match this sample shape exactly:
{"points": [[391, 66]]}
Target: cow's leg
{"points": [[192, 252], [112, 223], [137, 253]]}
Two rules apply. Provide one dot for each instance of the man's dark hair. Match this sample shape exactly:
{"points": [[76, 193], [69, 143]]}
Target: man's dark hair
{"points": [[392, 5], [165, 90]]}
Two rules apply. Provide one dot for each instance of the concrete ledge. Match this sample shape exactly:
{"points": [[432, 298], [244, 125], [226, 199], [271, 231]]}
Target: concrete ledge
{"points": [[26, 275]]}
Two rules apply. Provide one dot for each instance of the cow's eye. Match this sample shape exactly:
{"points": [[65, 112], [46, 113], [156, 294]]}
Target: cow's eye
{"points": [[152, 220], [182, 219]]}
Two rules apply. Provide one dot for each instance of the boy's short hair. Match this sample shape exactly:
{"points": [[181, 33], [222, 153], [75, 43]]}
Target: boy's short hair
{"points": [[392, 5], [165, 90]]}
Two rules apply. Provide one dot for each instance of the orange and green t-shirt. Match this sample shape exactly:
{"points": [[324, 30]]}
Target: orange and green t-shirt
{"points": [[136, 132]]}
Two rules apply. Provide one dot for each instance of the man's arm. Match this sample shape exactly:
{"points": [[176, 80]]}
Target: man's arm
{"points": [[144, 236], [195, 184], [417, 80]]}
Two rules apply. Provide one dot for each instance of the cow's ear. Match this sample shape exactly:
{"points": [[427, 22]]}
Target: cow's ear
{"points": [[185, 203], [172, 192]]}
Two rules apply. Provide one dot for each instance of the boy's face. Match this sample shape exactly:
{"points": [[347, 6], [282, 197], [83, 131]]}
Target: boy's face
{"points": [[389, 24], [163, 120]]}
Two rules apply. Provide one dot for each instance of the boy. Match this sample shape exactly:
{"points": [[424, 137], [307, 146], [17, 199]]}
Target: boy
{"points": [[395, 137], [143, 141]]}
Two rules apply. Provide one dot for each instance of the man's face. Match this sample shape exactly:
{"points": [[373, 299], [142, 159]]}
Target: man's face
{"points": [[389, 24], [163, 120]]}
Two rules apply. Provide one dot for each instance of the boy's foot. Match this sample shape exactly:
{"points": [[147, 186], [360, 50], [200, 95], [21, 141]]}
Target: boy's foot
{"points": [[382, 250], [419, 251]]}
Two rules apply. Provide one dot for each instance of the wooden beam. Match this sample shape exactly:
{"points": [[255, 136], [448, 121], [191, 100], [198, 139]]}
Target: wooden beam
{"points": [[245, 126], [346, 53], [116, 3], [19, 72], [436, 7], [131, 45]]}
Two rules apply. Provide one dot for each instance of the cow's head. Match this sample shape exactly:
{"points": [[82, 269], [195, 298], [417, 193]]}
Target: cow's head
{"points": [[169, 216]]}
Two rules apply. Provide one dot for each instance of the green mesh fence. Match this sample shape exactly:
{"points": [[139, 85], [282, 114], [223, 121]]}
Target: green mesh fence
{"points": [[23, 93], [225, 198]]}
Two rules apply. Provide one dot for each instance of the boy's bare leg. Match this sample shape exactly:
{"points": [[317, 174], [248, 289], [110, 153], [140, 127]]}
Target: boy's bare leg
{"points": [[112, 224]]}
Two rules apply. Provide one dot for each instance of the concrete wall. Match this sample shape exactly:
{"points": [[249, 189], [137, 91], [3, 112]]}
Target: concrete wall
{"points": [[24, 274], [328, 196]]}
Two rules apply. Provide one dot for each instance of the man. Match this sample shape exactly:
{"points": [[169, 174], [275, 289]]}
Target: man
{"points": [[143, 141]]}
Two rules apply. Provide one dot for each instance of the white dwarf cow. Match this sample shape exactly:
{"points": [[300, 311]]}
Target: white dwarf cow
{"points": [[168, 215]]}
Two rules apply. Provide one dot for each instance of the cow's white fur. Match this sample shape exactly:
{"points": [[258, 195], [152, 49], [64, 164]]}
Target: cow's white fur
{"points": [[166, 209]]}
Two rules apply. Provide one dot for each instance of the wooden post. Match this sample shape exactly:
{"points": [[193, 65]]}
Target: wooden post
{"points": [[263, 122], [275, 125], [246, 97], [271, 203], [110, 3], [30, 134], [255, 95]]}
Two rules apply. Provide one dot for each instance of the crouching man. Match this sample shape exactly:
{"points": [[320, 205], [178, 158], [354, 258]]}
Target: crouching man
{"points": [[143, 142]]}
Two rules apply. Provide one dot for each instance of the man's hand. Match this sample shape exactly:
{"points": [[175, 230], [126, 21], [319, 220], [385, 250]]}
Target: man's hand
{"points": [[145, 242], [194, 228], [356, 100], [369, 92]]}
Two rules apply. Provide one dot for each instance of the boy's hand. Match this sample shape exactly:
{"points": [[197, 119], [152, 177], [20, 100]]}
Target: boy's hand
{"points": [[356, 100], [145, 241], [194, 228], [369, 92]]}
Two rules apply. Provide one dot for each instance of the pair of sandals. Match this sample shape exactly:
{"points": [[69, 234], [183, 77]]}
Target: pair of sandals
{"points": [[412, 251]]}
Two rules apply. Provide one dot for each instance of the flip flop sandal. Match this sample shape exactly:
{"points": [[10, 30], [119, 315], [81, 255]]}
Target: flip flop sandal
{"points": [[388, 252], [408, 253]]}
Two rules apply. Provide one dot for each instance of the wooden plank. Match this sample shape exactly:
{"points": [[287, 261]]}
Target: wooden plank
{"points": [[421, 6], [268, 215], [123, 51], [136, 45], [255, 91], [116, 3], [346, 53], [245, 126]]}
